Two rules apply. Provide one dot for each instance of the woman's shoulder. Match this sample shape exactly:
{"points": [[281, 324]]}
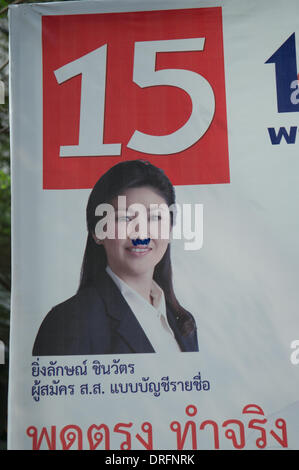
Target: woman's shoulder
{"points": [[70, 323], [84, 300]]}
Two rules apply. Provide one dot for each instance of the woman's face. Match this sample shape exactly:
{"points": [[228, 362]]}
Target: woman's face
{"points": [[142, 230]]}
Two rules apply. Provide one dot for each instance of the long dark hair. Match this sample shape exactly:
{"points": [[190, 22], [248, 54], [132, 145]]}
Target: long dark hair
{"points": [[122, 176]]}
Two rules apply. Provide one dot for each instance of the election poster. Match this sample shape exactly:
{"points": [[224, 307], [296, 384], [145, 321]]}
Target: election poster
{"points": [[155, 197]]}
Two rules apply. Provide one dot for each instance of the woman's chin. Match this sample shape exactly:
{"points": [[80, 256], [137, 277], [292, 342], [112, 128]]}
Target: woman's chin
{"points": [[139, 267]]}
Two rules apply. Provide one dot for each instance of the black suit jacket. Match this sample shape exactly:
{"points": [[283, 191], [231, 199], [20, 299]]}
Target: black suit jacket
{"points": [[98, 320]]}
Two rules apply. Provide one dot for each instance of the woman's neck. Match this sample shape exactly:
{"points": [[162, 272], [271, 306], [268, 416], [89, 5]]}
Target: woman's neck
{"points": [[142, 283]]}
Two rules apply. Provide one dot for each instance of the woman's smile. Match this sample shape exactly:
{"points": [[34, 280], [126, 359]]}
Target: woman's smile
{"points": [[139, 251]]}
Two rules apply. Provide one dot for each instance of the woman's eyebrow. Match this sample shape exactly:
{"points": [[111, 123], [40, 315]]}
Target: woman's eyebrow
{"points": [[159, 209], [125, 212]]}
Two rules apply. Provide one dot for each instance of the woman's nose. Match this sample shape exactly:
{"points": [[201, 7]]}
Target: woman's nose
{"points": [[138, 228]]}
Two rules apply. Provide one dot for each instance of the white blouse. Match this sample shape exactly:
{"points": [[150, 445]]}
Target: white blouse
{"points": [[152, 318]]}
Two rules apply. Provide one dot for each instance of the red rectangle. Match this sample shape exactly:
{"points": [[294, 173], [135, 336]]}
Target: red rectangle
{"points": [[173, 115]]}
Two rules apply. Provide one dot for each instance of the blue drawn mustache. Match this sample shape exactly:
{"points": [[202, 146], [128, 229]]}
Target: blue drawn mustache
{"points": [[141, 242]]}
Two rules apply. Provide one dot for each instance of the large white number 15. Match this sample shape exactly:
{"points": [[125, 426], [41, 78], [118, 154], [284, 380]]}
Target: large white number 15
{"points": [[92, 66]]}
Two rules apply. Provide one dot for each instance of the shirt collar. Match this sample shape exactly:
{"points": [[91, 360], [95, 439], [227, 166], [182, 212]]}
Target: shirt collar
{"points": [[157, 293]]}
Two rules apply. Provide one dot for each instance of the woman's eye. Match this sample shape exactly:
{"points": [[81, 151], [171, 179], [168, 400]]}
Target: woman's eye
{"points": [[155, 217], [123, 218]]}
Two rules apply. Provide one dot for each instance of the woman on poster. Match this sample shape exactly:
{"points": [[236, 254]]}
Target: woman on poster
{"points": [[125, 302]]}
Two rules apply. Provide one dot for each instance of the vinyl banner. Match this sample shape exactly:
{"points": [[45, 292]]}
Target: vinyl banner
{"points": [[155, 176]]}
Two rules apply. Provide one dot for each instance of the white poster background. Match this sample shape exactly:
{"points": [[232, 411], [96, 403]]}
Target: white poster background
{"points": [[242, 286]]}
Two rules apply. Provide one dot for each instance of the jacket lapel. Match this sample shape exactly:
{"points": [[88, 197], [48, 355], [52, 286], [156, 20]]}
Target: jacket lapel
{"points": [[126, 324]]}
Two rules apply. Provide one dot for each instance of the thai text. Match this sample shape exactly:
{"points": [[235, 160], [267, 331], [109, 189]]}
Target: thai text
{"points": [[57, 386], [187, 433]]}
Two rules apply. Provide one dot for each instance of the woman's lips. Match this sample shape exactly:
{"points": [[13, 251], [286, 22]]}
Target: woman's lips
{"points": [[139, 250]]}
